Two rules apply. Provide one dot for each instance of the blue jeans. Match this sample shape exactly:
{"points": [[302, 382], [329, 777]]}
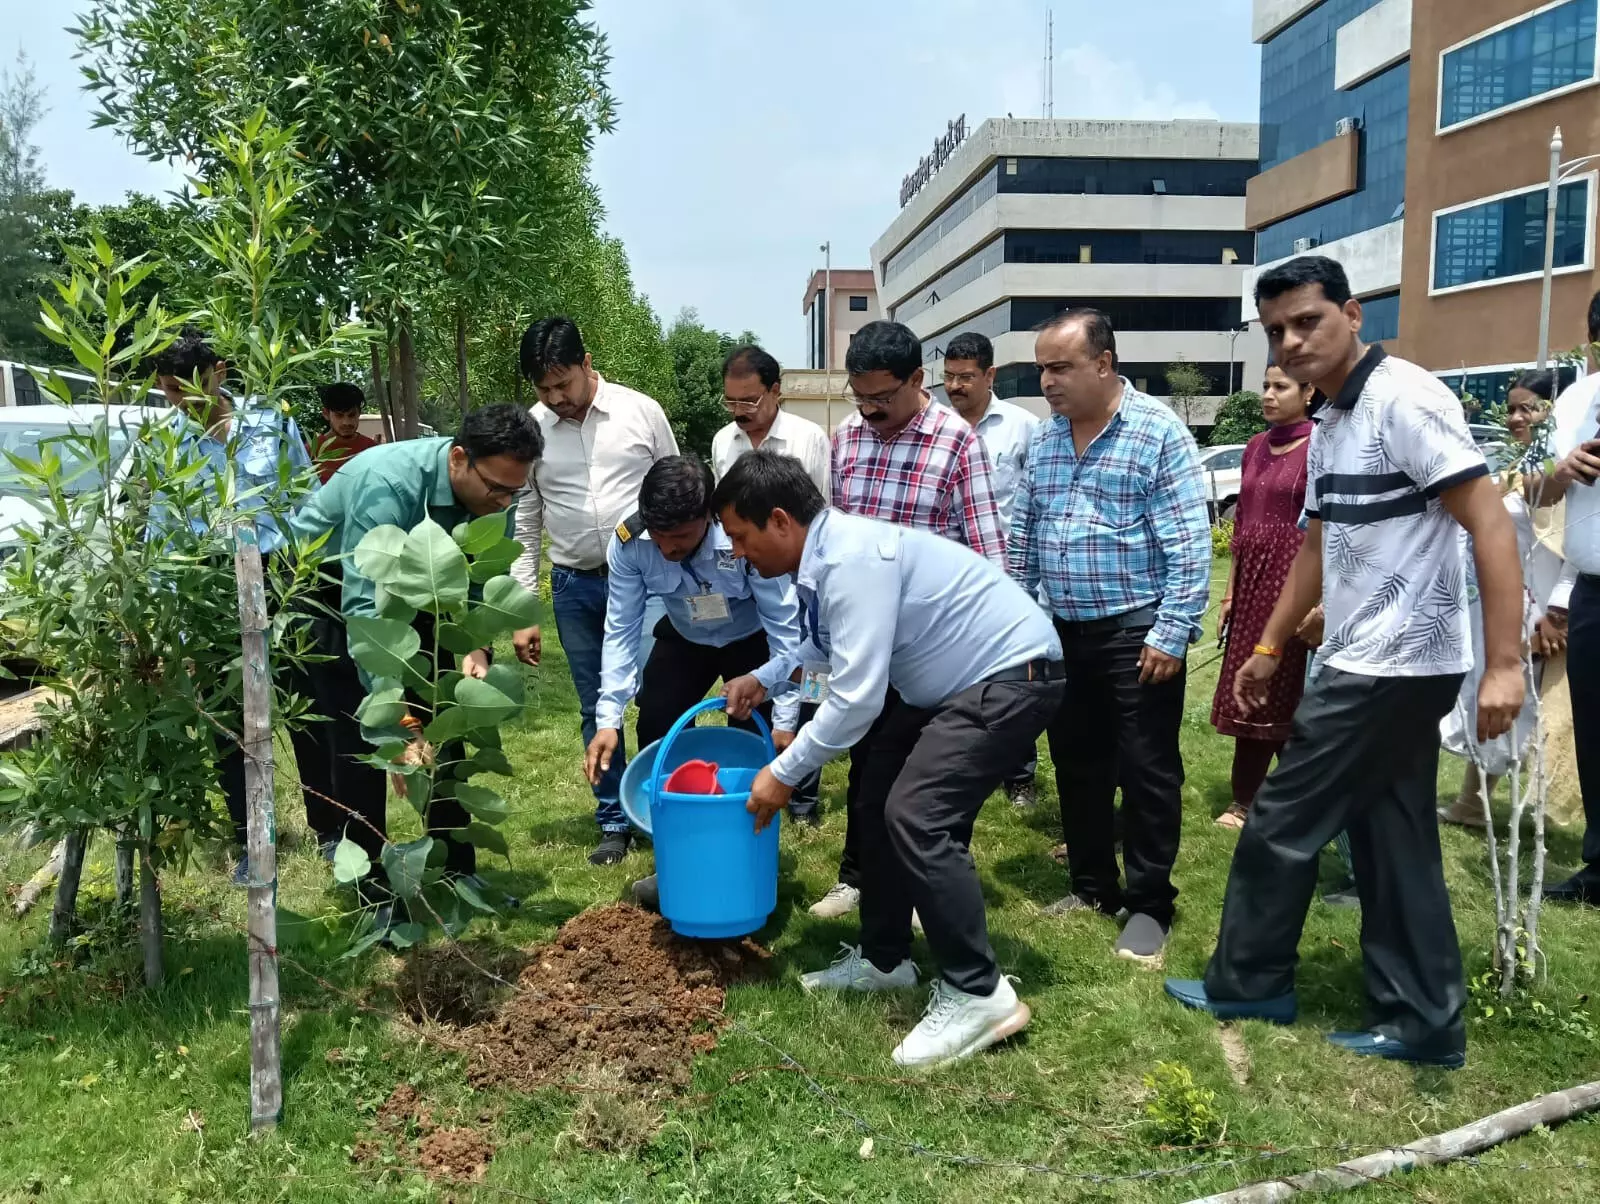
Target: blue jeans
{"points": [[579, 602]]}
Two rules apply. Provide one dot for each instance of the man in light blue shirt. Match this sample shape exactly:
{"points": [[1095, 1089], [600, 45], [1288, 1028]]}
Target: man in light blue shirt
{"points": [[978, 671], [1006, 431], [723, 620]]}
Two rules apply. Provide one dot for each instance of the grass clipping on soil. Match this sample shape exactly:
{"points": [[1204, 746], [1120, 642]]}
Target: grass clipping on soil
{"points": [[615, 991]]}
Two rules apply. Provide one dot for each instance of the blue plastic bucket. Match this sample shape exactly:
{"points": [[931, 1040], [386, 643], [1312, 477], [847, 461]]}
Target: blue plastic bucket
{"points": [[718, 876]]}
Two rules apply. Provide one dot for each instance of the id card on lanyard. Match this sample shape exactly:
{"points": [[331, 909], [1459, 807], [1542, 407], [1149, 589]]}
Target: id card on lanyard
{"points": [[813, 674], [707, 606]]}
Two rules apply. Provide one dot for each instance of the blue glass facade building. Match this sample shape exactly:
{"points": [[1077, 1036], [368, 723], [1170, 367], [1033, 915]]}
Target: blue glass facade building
{"points": [[1300, 108]]}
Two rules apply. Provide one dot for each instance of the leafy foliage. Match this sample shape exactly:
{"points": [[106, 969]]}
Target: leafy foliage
{"points": [[1185, 384], [697, 354], [1239, 419], [429, 571], [1181, 1112]]}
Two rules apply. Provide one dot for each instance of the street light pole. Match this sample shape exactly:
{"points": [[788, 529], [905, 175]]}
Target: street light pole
{"points": [[1233, 337], [827, 305], [1559, 173]]}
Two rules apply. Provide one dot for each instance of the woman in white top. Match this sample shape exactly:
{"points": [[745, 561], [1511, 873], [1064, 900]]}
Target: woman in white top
{"points": [[1547, 582]]}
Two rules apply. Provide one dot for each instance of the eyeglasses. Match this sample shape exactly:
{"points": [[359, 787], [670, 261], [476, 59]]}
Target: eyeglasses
{"points": [[881, 400], [962, 378], [736, 405], [511, 493]]}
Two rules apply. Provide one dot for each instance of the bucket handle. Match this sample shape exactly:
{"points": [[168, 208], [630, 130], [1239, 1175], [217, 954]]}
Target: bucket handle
{"points": [[684, 720]]}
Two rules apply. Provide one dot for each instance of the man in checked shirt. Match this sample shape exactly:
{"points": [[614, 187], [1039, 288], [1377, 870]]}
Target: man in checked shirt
{"points": [[902, 459], [1110, 515]]}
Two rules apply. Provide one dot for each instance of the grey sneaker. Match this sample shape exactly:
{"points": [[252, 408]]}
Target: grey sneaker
{"points": [[853, 972], [1142, 940], [646, 894], [840, 900], [1022, 795]]}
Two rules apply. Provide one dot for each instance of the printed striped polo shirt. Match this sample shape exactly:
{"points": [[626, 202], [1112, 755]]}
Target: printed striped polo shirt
{"points": [[1394, 580]]}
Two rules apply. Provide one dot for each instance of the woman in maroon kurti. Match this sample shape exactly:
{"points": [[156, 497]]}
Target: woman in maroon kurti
{"points": [[1266, 536]]}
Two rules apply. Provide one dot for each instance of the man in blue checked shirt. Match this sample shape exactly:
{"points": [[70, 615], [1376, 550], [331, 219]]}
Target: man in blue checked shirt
{"points": [[1110, 517], [723, 620]]}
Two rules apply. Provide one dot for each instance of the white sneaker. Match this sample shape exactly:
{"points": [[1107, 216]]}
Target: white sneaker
{"points": [[852, 972], [957, 1024], [840, 900]]}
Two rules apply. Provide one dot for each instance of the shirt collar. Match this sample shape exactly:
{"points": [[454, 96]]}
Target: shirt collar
{"points": [[778, 429], [1350, 392], [442, 494], [602, 400]]}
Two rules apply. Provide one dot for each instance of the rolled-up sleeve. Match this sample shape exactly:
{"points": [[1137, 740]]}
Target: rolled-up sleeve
{"points": [[528, 530], [860, 619], [1179, 521]]}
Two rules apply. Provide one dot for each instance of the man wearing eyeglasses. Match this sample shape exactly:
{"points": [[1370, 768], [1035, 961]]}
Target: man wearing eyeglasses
{"points": [[750, 390], [1006, 431], [600, 440], [483, 470], [904, 460]]}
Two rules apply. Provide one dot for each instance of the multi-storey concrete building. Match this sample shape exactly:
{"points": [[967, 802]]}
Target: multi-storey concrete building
{"points": [[1409, 139], [1025, 217], [832, 320]]}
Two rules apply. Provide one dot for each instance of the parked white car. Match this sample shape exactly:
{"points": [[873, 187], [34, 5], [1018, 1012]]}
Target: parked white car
{"points": [[25, 429], [1223, 469]]}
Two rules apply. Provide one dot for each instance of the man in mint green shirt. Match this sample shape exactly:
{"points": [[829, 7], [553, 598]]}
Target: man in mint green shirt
{"points": [[482, 470]]}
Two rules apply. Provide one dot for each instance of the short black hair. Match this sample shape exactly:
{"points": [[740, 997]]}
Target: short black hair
{"points": [[550, 343], [1594, 318], [1098, 333], [500, 430], [1541, 382], [886, 346], [342, 397], [676, 490], [970, 345], [187, 355], [762, 481], [750, 360], [1299, 272]]}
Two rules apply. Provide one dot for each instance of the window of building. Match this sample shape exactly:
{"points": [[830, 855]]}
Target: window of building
{"points": [[1129, 177], [1157, 313], [858, 305], [1126, 246], [1022, 380], [939, 227], [1300, 109], [1502, 238], [1380, 318], [1546, 52], [1489, 386]]}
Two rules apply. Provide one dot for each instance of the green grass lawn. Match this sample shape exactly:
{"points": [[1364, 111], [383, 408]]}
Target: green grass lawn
{"points": [[110, 1093]]}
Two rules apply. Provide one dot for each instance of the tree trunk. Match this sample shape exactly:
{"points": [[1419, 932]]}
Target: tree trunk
{"points": [[266, 1074], [463, 398], [394, 390], [65, 912], [380, 395], [516, 387], [124, 869], [408, 380], [150, 917], [43, 879]]}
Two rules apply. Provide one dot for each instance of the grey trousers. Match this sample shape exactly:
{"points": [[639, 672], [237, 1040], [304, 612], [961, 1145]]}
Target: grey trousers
{"points": [[1363, 758], [929, 773]]}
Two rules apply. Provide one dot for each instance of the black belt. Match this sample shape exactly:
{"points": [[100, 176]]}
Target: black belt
{"points": [[1040, 670], [602, 571], [1145, 616]]}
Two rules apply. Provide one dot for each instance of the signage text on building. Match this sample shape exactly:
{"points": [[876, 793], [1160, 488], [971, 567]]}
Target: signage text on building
{"points": [[943, 147]]}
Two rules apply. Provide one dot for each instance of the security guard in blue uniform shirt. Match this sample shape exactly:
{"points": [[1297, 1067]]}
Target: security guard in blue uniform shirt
{"points": [[723, 619]]}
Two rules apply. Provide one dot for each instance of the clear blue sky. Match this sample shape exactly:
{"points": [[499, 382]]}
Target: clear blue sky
{"points": [[752, 131]]}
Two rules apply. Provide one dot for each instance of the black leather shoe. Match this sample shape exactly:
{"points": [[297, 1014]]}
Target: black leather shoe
{"points": [[1582, 887], [613, 847]]}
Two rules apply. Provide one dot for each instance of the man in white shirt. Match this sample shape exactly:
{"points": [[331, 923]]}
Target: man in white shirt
{"points": [[1392, 480], [1577, 443], [750, 390], [1006, 431], [600, 439], [978, 671]]}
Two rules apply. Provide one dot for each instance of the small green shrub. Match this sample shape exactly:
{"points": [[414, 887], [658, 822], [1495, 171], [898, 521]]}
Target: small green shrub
{"points": [[1181, 1112], [1222, 539]]}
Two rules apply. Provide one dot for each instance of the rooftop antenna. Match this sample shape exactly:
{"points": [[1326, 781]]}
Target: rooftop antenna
{"points": [[1049, 62]]}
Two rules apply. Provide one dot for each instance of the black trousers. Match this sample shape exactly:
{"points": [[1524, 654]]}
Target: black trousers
{"points": [[1112, 731], [1363, 757], [860, 758], [1583, 681], [680, 673], [931, 770]]}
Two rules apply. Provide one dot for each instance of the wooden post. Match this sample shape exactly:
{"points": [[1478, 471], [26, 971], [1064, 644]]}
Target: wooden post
{"points": [[155, 963], [66, 908], [123, 871], [266, 1076], [1470, 1139]]}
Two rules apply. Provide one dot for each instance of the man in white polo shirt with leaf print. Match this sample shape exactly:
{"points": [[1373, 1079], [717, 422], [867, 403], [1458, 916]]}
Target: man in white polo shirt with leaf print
{"points": [[1393, 485]]}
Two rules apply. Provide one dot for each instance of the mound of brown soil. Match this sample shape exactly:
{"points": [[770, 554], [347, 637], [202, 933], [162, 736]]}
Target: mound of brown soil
{"points": [[615, 989], [405, 1129]]}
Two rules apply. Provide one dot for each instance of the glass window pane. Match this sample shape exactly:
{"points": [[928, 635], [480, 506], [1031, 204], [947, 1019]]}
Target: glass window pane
{"points": [[1546, 51], [1505, 238]]}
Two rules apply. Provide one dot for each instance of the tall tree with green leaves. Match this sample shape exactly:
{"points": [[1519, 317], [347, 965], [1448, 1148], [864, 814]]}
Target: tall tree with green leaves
{"points": [[26, 211], [697, 354], [1186, 384], [442, 139], [1238, 419]]}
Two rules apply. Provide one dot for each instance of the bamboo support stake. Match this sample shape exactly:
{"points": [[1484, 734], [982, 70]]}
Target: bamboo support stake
{"points": [[122, 871], [155, 962], [43, 879], [1470, 1139], [66, 909], [266, 1069]]}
